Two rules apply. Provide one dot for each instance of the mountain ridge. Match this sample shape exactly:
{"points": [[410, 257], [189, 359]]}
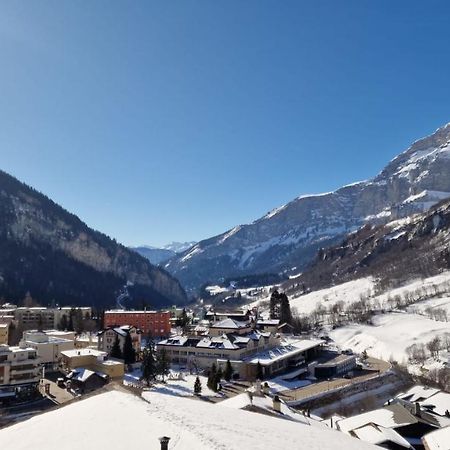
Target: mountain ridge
{"points": [[290, 235], [51, 253]]}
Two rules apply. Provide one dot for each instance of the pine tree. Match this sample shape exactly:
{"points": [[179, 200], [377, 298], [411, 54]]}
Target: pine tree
{"points": [[129, 354], [285, 309], [259, 371], [184, 320], [63, 323], [163, 364], [70, 324], [116, 351], [212, 377], [148, 366], [275, 305], [197, 386], [228, 372]]}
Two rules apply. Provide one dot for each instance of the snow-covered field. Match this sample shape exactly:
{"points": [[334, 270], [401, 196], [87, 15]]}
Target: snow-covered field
{"points": [[393, 332], [390, 335], [347, 292]]}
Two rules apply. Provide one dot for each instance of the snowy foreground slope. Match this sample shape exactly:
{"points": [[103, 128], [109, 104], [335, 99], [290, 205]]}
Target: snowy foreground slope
{"points": [[118, 420]]}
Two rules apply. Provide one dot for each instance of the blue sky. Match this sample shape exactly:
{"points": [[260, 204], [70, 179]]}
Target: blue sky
{"points": [[159, 121]]}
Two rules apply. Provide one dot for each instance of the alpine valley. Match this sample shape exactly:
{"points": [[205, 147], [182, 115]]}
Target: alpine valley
{"points": [[288, 238]]}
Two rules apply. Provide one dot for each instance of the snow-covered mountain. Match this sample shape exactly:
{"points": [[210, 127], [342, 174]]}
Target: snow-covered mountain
{"points": [[159, 255], [290, 235]]}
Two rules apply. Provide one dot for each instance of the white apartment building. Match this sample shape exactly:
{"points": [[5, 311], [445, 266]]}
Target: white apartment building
{"points": [[19, 372], [48, 347]]}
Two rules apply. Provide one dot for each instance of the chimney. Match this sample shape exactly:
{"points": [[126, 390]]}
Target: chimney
{"points": [[417, 409], [164, 442], [266, 389], [277, 404]]}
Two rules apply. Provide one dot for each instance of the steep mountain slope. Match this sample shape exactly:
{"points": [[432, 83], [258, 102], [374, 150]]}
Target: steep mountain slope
{"points": [[55, 256], [393, 253], [290, 235], [159, 255]]}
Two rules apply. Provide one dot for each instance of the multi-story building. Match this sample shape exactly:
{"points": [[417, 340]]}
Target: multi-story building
{"points": [[4, 333], [48, 347], [245, 351], [58, 313], [155, 322], [108, 336], [35, 318], [19, 372], [40, 317], [91, 359]]}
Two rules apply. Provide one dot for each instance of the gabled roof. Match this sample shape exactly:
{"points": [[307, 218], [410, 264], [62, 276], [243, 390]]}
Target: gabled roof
{"points": [[393, 416], [230, 324], [418, 393], [217, 342], [375, 434], [82, 375]]}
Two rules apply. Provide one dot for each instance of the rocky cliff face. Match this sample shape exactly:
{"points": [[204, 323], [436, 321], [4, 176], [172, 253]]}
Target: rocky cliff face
{"points": [[414, 247], [51, 253], [289, 236]]}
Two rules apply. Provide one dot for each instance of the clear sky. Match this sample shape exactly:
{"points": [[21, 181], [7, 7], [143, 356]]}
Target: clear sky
{"points": [[176, 120]]}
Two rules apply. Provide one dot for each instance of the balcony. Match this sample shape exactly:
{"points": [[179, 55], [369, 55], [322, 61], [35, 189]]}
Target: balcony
{"points": [[20, 379], [24, 370], [21, 362]]}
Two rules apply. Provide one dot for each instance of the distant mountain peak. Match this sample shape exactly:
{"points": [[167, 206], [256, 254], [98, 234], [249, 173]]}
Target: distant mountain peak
{"points": [[291, 234]]}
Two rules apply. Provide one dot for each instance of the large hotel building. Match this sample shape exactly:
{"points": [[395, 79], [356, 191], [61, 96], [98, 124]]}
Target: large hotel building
{"points": [[156, 322]]}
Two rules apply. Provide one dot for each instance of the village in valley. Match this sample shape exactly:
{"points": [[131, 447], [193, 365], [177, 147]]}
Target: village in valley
{"points": [[224, 225], [251, 358]]}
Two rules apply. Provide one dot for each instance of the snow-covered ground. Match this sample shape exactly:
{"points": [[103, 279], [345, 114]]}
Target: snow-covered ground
{"points": [[390, 335], [182, 386], [393, 332], [347, 292], [118, 420]]}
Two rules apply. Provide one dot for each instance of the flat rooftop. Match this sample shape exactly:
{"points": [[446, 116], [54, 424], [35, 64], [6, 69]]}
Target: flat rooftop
{"points": [[83, 352], [332, 359]]}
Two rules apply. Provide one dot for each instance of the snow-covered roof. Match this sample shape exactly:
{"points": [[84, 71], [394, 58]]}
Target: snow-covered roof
{"points": [[377, 435], [418, 393], [265, 403], [437, 440], [284, 351], [230, 324], [392, 416], [83, 352], [81, 374], [217, 342], [439, 403], [191, 424], [268, 322], [174, 340]]}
